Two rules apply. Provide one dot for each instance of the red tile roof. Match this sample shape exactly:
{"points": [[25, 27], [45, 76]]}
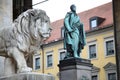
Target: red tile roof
{"points": [[104, 11]]}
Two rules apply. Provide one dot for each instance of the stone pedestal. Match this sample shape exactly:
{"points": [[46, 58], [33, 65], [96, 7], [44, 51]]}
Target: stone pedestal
{"points": [[1, 66], [28, 76], [7, 66], [75, 69]]}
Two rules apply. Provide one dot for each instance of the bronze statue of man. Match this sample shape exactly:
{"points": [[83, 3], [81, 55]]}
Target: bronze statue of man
{"points": [[74, 34]]}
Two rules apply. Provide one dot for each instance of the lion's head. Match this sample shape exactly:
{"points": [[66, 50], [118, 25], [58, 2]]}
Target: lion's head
{"points": [[35, 23]]}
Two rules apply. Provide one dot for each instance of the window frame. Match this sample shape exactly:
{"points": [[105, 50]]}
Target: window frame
{"points": [[95, 71], [62, 32], [90, 51], [92, 19], [61, 50], [110, 68], [98, 19], [48, 54], [111, 73], [36, 66], [105, 46], [34, 61], [93, 42], [95, 23], [94, 75]]}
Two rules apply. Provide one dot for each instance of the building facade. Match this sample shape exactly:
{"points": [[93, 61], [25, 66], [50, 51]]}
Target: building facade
{"points": [[100, 47]]}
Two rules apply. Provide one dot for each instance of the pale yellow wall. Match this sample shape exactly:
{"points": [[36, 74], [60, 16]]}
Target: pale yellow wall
{"points": [[101, 59], [99, 62], [53, 70]]}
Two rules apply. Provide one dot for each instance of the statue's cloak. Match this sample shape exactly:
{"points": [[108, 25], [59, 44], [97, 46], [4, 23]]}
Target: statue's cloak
{"points": [[73, 31]]}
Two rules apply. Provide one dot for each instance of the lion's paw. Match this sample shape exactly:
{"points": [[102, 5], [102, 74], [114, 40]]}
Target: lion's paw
{"points": [[24, 70]]}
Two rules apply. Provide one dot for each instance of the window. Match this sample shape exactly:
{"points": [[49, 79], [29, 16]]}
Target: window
{"points": [[92, 51], [96, 21], [37, 63], [49, 59], [62, 32], [111, 76], [110, 70], [95, 73], [109, 46], [62, 55], [94, 77], [93, 23]]}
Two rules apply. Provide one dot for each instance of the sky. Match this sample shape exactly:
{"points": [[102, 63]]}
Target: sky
{"points": [[57, 9]]}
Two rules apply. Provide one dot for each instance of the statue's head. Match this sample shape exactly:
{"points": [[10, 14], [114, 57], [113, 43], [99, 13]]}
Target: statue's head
{"points": [[73, 8]]}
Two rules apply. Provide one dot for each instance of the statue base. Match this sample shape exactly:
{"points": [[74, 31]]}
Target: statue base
{"points": [[28, 76], [75, 69], [7, 66]]}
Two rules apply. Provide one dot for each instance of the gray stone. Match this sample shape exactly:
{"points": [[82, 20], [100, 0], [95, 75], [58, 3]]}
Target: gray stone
{"points": [[1, 66], [6, 13], [4, 69], [75, 69], [28, 76], [11, 69]]}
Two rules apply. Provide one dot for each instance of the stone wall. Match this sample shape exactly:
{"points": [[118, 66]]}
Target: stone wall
{"points": [[28, 76], [5, 21], [7, 66], [6, 13], [2, 66]]}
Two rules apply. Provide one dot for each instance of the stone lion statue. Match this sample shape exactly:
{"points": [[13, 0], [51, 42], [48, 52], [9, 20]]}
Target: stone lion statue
{"points": [[25, 36]]}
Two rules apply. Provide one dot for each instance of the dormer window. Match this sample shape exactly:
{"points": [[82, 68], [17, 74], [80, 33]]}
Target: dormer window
{"points": [[95, 21]]}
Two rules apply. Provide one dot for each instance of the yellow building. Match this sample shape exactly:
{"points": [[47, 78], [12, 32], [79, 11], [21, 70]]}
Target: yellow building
{"points": [[100, 47]]}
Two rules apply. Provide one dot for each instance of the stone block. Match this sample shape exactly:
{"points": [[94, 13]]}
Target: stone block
{"points": [[75, 69], [6, 13], [28, 76], [2, 66], [7, 66]]}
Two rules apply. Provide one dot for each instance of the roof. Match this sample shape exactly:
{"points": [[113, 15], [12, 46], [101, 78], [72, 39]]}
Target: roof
{"points": [[104, 11]]}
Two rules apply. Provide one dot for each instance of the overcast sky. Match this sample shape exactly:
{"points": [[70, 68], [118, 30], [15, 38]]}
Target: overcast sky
{"points": [[56, 9]]}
